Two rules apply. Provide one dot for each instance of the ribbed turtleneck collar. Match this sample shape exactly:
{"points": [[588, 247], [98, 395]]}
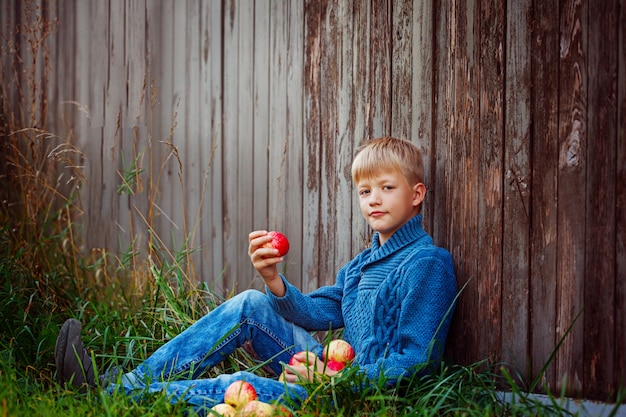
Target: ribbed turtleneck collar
{"points": [[408, 233]]}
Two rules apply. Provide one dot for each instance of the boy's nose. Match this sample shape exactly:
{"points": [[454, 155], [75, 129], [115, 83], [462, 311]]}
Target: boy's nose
{"points": [[374, 199]]}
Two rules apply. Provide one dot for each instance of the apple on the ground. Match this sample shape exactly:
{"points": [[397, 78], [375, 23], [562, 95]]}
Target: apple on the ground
{"points": [[239, 393]]}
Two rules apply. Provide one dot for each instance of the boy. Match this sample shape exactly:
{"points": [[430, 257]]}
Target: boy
{"points": [[394, 301]]}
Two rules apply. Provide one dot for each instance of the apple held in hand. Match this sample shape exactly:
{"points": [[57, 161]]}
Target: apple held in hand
{"points": [[295, 362], [239, 393], [339, 351], [335, 365], [279, 242]]}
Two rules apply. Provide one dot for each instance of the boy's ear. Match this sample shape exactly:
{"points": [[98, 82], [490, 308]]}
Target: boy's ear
{"points": [[419, 194]]}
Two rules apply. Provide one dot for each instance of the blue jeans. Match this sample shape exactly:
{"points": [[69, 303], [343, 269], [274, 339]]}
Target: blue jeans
{"points": [[175, 367]]}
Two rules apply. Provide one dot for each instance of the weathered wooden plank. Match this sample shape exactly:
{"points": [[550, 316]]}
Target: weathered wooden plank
{"points": [[104, 111], [262, 97], [294, 190], [543, 231], [114, 132], [344, 131], [63, 50], [599, 278], [361, 232], [329, 143], [401, 83], [517, 181], [379, 119], [620, 208], [133, 131], [230, 142], [284, 146], [463, 217], [164, 123], [573, 82], [491, 20], [194, 139], [176, 140], [422, 104], [242, 216], [443, 165], [211, 130], [313, 12]]}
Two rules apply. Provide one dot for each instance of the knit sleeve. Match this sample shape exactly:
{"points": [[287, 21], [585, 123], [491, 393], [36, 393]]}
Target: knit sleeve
{"points": [[423, 302], [315, 311]]}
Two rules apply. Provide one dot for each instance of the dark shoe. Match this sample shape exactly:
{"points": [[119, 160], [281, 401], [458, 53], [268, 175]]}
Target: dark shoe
{"points": [[74, 364]]}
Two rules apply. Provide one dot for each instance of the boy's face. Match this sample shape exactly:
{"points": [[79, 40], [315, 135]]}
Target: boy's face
{"points": [[388, 201]]}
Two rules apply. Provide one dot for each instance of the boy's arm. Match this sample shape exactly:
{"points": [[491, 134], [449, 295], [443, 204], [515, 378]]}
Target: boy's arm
{"points": [[318, 310], [265, 260]]}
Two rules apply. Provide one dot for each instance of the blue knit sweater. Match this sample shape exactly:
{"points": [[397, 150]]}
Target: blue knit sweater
{"points": [[394, 302]]}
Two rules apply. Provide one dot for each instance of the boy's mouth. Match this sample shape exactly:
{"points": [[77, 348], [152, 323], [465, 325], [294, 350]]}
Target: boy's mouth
{"points": [[377, 213]]}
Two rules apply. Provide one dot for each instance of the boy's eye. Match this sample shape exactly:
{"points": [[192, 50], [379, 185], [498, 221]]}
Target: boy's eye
{"points": [[363, 192]]}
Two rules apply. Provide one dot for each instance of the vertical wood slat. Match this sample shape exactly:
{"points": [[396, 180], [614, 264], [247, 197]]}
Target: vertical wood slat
{"points": [[191, 152], [422, 100], [620, 207], [442, 163], [543, 200], [464, 147], [212, 128], [517, 182], [262, 97], [242, 217], [600, 180], [491, 22], [401, 70], [571, 197], [312, 155], [230, 142], [328, 137], [379, 120], [281, 213], [344, 131], [359, 103], [294, 57]]}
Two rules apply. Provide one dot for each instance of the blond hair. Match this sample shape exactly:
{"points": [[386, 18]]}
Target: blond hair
{"points": [[391, 155]]}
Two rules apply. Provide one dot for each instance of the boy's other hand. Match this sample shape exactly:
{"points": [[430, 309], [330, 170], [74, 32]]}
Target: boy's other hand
{"points": [[265, 260], [310, 367]]}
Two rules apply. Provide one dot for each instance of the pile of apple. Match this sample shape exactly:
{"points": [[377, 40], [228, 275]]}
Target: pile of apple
{"points": [[241, 399]]}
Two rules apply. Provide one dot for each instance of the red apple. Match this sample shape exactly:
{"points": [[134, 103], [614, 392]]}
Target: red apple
{"points": [[239, 393], [279, 241], [294, 362], [335, 365], [338, 350], [258, 408], [224, 410]]}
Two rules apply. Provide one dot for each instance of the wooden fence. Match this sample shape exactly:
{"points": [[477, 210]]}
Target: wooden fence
{"points": [[245, 115]]}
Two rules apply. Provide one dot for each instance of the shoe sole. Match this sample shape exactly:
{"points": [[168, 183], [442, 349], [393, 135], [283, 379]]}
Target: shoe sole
{"points": [[73, 364]]}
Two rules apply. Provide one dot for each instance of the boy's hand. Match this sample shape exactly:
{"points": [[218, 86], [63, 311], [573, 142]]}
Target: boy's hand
{"points": [[310, 369], [264, 261]]}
